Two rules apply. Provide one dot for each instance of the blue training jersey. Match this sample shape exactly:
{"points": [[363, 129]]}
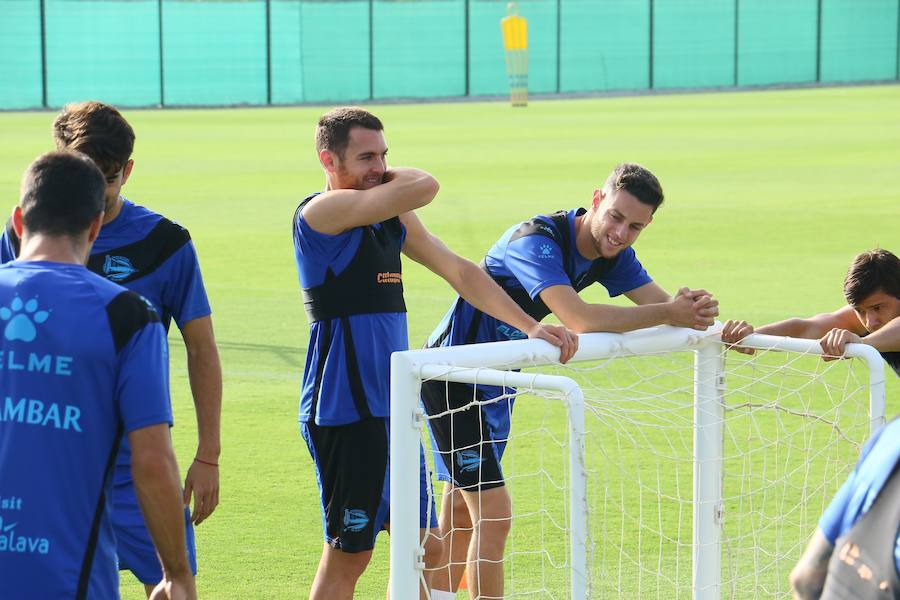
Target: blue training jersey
{"points": [[856, 496], [338, 356], [143, 251], [531, 263], [83, 362]]}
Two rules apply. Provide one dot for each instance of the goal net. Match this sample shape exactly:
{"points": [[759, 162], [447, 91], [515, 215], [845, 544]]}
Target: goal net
{"points": [[654, 465]]}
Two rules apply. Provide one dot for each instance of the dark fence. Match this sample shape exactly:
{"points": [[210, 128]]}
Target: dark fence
{"points": [[228, 52]]}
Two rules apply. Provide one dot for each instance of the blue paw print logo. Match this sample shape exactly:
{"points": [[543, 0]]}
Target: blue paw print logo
{"points": [[546, 251], [20, 318]]}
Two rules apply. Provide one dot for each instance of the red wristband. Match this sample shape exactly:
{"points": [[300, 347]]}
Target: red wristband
{"points": [[204, 462]]}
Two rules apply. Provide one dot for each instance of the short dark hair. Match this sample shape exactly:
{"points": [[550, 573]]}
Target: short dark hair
{"points": [[870, 272], [637, 181], [62, 192], [333, 131], [98, 130]]}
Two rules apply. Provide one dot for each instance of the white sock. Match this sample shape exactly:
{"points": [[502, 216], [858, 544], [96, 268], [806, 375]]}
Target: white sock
{"points": [[442, 595]]}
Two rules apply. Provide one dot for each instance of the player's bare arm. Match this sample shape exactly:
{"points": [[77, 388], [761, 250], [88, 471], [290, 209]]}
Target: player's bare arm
{"points": [[155, 473], [205, 375], [808, 577], [477, 288], [403, 190], [812, 328], [654, 307]]}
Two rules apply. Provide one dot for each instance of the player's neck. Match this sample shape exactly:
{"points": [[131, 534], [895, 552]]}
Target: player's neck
{"points": [[58, 249], [584, 243], [112, 211]]}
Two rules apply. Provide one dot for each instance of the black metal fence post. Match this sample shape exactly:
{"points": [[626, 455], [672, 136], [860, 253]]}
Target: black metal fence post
{"points": [[466, 51], [43, 54], [737, 39], [558, 44], [819, 41], [371, 51], [650, 39], [162, 79], [269, 52]]}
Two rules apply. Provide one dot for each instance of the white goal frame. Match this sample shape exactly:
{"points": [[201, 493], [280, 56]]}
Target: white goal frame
{"points": [[477, 363]]}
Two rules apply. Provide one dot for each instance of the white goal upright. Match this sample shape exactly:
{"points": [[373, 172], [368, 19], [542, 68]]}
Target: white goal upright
{"points": [[655, 465]]}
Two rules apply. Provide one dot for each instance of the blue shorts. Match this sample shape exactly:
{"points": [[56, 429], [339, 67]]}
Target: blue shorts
{"points": [[467, 444], [135, 549], [353, 472]]}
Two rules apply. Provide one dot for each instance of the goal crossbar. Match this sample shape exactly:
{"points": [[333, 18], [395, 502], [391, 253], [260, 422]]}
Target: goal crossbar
{"points": [[477, 364]]}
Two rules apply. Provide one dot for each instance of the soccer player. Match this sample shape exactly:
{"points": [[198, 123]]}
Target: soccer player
{"points": [[153, 256], [347, 244], [83, 362], [871, 316], [855, 551], [542, 264]]}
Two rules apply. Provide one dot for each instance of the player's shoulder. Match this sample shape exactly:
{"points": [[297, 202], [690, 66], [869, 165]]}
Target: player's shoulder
{"points": [[138, 236], [555, 226], [128, 312], [155, 223]]}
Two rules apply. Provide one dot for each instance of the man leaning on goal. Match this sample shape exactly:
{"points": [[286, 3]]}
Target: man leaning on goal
{"points": [[542, 264], [871, 316], [862, 521]]}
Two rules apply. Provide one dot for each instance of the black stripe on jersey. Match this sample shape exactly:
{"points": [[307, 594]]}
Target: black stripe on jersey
{"points": [[14, 240], [84, 579], [145, 255], [128, 313], [472, 333], [324, 345], [355, 379], [893, 360]]}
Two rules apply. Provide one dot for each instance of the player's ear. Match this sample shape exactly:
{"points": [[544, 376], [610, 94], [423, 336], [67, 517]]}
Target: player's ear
{"points": [[327, 160], [17, 220], [94, 228], [598, 197], [126, 172]]}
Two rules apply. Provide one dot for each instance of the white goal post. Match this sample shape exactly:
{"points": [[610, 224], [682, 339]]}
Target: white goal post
{"points": [[493, 364]]}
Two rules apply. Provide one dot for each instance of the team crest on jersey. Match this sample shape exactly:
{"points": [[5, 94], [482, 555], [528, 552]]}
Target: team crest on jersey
{"points": [[468, 460], [21, 318], [117, 268], [355, 519]]}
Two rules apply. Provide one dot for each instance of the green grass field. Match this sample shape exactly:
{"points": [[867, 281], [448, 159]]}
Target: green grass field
{"points": [[768, 197]]}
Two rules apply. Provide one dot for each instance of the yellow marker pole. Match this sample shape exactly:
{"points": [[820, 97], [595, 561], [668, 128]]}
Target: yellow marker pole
{"points": [[515, 45]]}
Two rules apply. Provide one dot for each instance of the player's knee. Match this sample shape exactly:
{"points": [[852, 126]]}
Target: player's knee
{"points": [[461, 517], [434, 551], [496, 505], [495, 519], [344, 565]]}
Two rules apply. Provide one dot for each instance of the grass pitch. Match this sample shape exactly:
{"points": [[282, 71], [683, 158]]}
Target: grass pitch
{"points": [[769, 195]]}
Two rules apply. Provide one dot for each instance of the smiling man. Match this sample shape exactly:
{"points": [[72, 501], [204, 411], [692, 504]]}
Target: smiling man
{"points": [[347, 244], [542, 264]]}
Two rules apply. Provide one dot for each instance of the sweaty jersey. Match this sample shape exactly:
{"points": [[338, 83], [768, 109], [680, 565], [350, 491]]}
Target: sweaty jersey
{"points": [[527, 259], [83, 362], [149, 254], [347, 372], [855, 498], [153, 256]]}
